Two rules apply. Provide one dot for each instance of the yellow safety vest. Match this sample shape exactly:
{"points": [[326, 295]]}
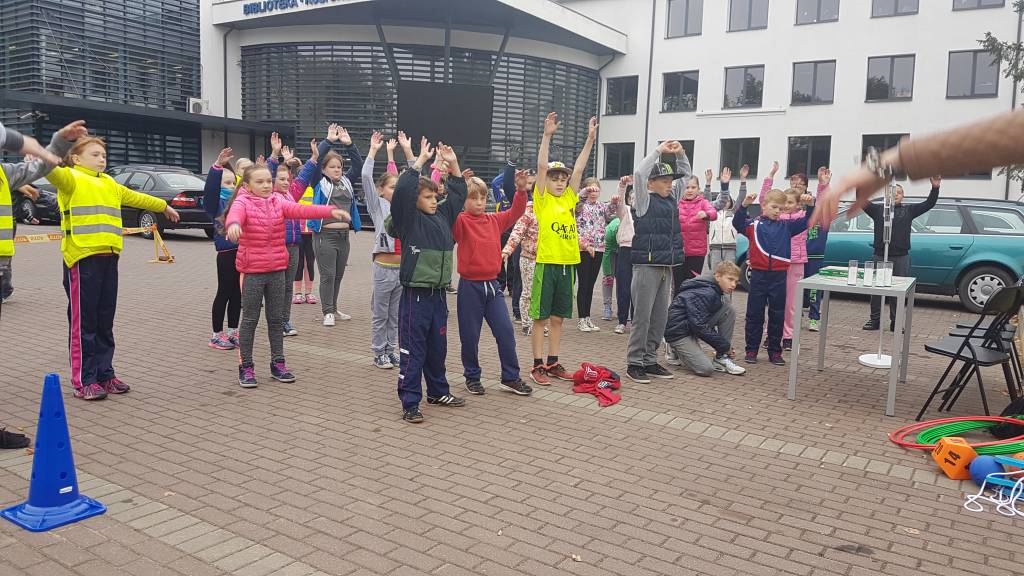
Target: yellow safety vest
{"points": [[307, 199], [6, 218], [93, 218]]}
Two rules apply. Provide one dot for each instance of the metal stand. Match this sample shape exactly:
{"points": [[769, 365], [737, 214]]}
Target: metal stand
{"points": [[881, 361]]}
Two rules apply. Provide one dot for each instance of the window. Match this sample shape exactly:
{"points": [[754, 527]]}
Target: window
{"points": [[139, 181], [739, 151], [679, 93], [940, 220], [814, 82], [890, 78], [808, 153], [684, 18], [744, 86], [997, 221], [687, 147], [972, 74], [815, 11], [748, 15], [618, 160], [881, 142], [976, 4], [882, 8], [621, 95]]}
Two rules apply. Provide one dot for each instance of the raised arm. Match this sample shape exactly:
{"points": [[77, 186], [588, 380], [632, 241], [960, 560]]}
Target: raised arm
{"points": [[211, 191], [370, 194], [929, 202], [581, 161], [28, 171], [551, 125], [768, 182]]}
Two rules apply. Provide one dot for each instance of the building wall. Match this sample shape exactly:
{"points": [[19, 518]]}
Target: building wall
{"points": [[265, 83], [931, 35]]}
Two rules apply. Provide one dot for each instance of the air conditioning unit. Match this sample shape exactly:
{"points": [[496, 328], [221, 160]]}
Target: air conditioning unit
{"points": [[198, 106]]}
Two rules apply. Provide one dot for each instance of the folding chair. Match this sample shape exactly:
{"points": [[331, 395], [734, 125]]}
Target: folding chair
{"points": [[980, 347]]}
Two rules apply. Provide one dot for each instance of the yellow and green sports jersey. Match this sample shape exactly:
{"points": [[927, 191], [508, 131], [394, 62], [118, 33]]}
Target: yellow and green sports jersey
{"points": [[557, 242]]}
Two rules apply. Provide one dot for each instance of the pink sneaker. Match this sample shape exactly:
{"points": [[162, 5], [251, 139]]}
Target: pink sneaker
{"points": [[222, 342], [91, 392], [299, 299], [115, 386], [311, 299]]}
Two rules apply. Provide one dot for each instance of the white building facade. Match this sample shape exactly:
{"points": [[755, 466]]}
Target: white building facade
{"points": [[804, 82]]}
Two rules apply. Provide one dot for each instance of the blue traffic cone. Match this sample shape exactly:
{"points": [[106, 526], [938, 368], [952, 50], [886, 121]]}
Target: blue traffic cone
{"points": [[53, 498]]}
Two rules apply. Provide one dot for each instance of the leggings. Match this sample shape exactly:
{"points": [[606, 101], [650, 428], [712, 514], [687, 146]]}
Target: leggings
{"points": [[307, 258], [294, 255], [256, 288], [229, 293], [588, 271]]}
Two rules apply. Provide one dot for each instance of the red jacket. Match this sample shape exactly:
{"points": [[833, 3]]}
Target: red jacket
{"points": [[694, 229], [479, 239], [261, 247]]}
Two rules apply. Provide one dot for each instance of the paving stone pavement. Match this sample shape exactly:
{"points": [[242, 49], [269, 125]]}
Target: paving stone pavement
{"points": [[715, 476]]}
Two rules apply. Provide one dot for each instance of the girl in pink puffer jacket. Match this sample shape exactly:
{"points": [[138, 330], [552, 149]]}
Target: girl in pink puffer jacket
{"points": [[695, 211], [256, 221]]}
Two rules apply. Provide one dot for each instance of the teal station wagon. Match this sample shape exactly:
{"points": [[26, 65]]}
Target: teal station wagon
{"points": [[963, 247]]}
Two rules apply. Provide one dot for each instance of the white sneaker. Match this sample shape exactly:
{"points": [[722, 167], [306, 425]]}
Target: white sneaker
{"points": [[342, 316], [620, 329], [670, 356], [582, 325], [328, 319], [590, 323], [725, 364]]}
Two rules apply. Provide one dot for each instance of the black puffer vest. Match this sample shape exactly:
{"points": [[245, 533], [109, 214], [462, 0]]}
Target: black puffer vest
{"points": [[658, 240]]}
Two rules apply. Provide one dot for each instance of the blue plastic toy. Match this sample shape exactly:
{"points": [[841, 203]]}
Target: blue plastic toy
{"points": [[982, 466]]}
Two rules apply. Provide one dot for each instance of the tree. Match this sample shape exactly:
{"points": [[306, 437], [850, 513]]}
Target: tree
{"points": [[1010, 54]]}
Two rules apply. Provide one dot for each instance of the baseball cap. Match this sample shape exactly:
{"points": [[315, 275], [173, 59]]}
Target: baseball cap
{"points": [[664, 169], [558, 167]]}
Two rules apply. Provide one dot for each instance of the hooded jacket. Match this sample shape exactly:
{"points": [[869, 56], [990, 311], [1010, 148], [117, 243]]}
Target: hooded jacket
{"points": [[697, 301], [427, 240], [261, 247], [325, 188], [694, 229]]}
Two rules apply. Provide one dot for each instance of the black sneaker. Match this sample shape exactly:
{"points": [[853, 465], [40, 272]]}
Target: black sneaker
{"points": [[517, 387], [637, 374], [473, 386], [776, 358], [446, 400], [246, 376], [869, 325], [281, 373], [658, 371], [413, 415], [787, 344]]}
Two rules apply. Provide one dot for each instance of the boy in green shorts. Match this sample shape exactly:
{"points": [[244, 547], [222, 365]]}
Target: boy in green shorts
{"points": [[558, 250]]}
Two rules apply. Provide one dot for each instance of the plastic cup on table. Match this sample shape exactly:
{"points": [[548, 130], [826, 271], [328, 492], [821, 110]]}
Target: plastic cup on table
{"points": [[851, 273], [887, 274], [869, 273]]}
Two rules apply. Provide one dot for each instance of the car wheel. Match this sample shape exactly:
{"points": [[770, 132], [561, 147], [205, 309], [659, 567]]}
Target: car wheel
{"points": [[147, 219], [210, 233], [27, 211], [978, 284], [745, 276]]}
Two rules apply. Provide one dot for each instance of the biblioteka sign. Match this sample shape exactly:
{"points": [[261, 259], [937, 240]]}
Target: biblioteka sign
{"points": [[268, 6]]}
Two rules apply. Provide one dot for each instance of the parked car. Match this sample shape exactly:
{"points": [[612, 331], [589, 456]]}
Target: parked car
{"points": [[43, 209], [182, 190], [963, 247]]}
